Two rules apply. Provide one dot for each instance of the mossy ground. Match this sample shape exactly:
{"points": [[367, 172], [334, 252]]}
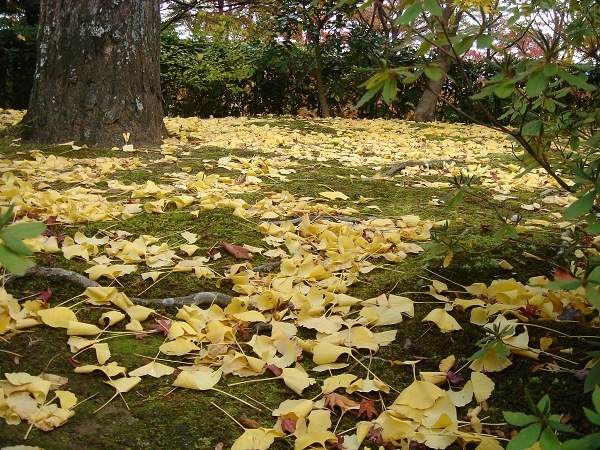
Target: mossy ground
{"points": [[158, 416]]}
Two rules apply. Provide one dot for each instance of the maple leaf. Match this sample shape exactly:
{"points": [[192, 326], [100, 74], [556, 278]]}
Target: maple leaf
{"points": [[344, 403], [44, 296], [236, 251], [528, 311], [162, 326], [367, 409]]}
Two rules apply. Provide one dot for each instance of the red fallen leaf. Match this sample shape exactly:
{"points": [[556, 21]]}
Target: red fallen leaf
{"points": [[73, 362], [454, 378], [560, 273], [374, 435], [487, 227], [288, 425], [276, 370], [244, 332], [249, 423], [367, 409], [344, 403], [52, 220], [45, 295], [162, 325], [236, 251], [339, 445], [140, 336], [241, 179], [528, 311]]}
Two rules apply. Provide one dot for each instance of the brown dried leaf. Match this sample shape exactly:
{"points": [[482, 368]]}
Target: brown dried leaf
{"points": [[344, 403], [249, 423], [236, 251]]}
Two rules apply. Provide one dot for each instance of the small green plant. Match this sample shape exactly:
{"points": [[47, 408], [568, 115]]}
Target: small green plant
{"points": [[494, 341], [13, 252], [540, 426]]}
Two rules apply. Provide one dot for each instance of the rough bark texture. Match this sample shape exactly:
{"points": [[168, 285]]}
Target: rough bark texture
{"points": [[97, 73], [425, 110]]}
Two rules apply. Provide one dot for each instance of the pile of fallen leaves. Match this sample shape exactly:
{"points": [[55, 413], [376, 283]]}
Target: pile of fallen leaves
{"points": [[321, 249]]}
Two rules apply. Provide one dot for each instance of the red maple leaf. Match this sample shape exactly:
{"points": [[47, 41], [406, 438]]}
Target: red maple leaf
{"points": [[528, 311], [162, 325], [44, 296], [367, 409]]}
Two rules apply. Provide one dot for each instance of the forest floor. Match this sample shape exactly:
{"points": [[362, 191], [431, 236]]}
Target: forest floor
{"points": [[344, 278]]}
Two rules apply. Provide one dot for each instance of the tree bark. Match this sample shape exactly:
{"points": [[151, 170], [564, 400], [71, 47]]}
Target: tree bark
{"points": [[425, 110], [97, 73]]}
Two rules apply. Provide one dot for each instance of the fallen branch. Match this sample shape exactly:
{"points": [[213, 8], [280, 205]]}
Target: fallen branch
{"points": [[432, 163], [202, 299]]}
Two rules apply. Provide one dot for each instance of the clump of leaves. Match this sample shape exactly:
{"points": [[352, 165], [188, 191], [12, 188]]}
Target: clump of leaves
{"points": [[494, 342], [13, 252], [541, 426]]}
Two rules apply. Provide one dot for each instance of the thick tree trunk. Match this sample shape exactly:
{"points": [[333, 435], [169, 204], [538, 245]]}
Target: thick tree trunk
{"points": [[425, 110], [97, 73]]}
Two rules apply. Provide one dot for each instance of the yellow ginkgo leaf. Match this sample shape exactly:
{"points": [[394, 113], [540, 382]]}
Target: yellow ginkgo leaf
{"points": [[257, 439], [394, 428], [482, 386], [67, 399], [296, 378], [124, 384], [337, 381], [462, 397], [490, 362], [334, 195], [443, 320], [111, 317], [198, 379], [139, 312], [294, 408], [110, 369], [324, 352], [58, 317], [419, 395], [102, 352], [112, 272], [153, 369], [479, 316], [75, 328], [135, 326], [433, 377], [317, 431], [447, 363], [178, 347]]}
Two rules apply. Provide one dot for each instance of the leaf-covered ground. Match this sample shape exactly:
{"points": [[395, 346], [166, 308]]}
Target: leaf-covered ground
{"points": [[332, 327]]}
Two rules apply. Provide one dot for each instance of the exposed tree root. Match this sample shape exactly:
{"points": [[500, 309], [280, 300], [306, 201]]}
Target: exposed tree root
{"points": [[201, 299]]}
